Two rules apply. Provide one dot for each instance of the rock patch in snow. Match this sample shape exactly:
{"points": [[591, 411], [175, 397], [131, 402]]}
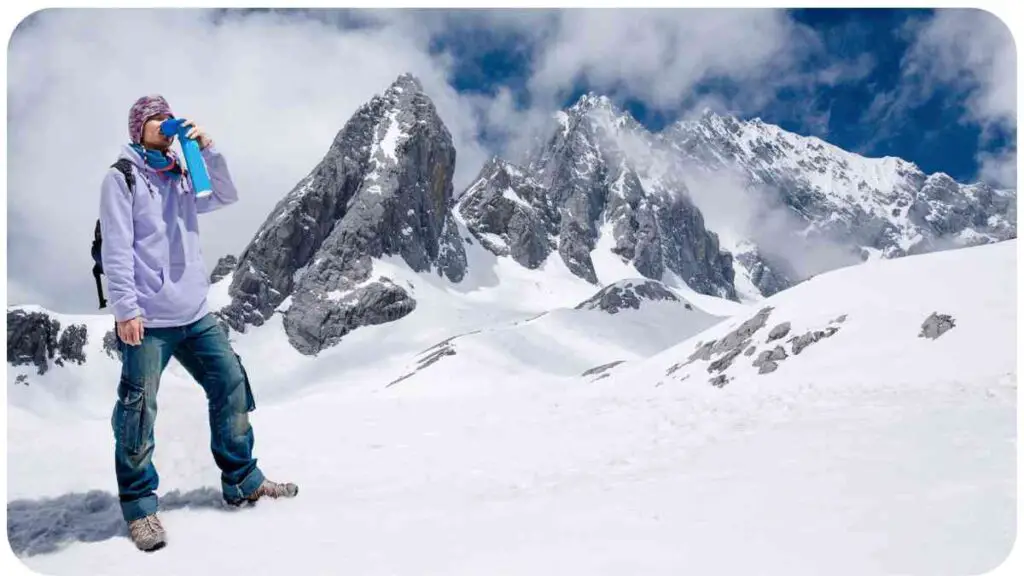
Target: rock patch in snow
{"points": [[936, 325]]}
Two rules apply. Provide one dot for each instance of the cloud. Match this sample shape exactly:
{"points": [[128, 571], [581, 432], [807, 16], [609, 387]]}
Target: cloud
{"points": [[999, 167], [972, 51], [661, 55], [737, 210], [271, 89], [971, 54]]}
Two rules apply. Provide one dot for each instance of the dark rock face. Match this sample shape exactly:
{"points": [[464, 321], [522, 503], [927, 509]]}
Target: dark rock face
{"points": [[33, 338], [627, 294], [375, 303], [110, 345], [936, 325], [71, 345], [383, 188], [226, 265], [510, 214], [769, 275], [585, 173]]}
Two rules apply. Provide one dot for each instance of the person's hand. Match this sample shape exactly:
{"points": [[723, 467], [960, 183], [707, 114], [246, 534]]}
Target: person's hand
{"points": [[130, 331], [197, 133]]}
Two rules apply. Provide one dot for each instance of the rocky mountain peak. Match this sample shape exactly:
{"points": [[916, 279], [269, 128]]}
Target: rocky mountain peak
{"points": [[591, 101], [406, 82], [383, 188], [598, 176]]}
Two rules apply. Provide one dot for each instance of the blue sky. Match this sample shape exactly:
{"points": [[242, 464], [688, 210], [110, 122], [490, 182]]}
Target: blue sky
{"points": [[929, 129]]}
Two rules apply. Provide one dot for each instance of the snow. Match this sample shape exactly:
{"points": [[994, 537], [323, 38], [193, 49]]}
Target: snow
{"points": [[872, 451], [393, 136], [494, 240], [219, 296], [510, 194]]}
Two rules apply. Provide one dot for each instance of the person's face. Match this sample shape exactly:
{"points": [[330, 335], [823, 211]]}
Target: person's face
{"points": [[151, 135]]}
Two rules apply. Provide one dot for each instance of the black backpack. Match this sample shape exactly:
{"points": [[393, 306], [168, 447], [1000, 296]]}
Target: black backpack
{"points": [[123, 166]]}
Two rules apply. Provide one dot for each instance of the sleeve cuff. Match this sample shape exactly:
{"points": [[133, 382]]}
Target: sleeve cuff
{"points": [[122, 314]]}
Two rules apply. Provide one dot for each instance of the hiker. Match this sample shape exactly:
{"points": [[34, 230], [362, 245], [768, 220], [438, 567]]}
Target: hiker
{"points": [[158, 286]]}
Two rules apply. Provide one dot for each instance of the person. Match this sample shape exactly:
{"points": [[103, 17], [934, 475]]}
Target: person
{"points": [[158, 285]]}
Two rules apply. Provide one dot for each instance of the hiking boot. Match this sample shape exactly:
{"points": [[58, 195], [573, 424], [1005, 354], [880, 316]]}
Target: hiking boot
{"points": [[269, 489], [147, 533]]}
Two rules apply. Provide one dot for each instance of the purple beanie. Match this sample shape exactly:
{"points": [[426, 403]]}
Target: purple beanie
{"points": [[144, 109]]}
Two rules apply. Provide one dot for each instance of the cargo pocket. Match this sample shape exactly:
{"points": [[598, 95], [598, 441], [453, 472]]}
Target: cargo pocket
{"points": [[250, 401], [133, 403]]}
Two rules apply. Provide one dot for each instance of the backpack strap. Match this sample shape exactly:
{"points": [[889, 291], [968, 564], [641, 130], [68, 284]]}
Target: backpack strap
{"points": [[124, 166]]}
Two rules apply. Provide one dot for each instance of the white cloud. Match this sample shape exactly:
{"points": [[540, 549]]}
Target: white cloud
{"points": [[999, 167], [970, 52], [736, 211], [660, 55], [271, 90]]}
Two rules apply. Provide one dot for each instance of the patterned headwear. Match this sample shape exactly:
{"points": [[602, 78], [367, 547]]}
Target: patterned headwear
{"points": [[144, 109]]}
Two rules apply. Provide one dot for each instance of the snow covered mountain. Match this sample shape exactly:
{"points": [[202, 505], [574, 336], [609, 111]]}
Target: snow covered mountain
{"points": [[880, 207], [733, 208], [597, 184]]}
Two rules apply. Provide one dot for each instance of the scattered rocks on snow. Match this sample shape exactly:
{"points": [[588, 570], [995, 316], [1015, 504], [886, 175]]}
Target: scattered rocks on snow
{"points": [[936, 325], [602, 368], [741, 335], [750, 351], [432, 355], [779, 331], [720, 380], [801, 342], [767, 367], [778, 354], [21, 379], [33, 338], [726, 360], [703, 352]]}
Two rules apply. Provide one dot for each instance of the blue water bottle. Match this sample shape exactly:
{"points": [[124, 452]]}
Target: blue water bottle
{"points": [[193, 157]]}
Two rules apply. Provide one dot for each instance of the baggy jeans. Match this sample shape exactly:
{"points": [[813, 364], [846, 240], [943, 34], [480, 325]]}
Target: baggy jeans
{"points": [[203, 350]]}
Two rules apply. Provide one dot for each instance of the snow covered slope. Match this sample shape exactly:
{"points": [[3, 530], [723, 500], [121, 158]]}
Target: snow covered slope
{"points": [[860, 326], [873, 450]]}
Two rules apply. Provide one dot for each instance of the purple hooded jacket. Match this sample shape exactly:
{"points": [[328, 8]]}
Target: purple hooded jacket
{"points": [[151, 251]]}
